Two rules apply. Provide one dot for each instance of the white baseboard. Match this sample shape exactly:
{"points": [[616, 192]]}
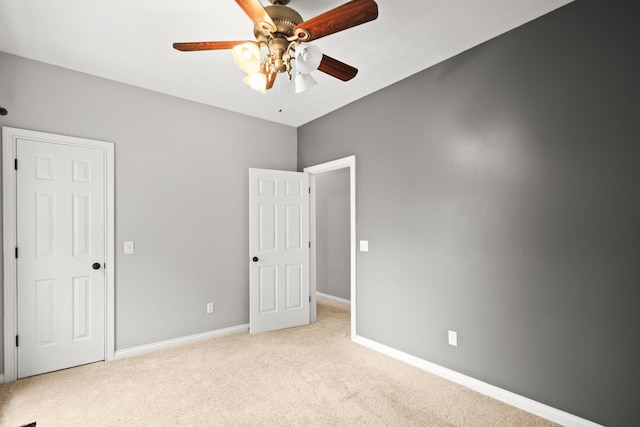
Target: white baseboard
{"points": [[1, 378], [524, 403], [148, 348], [335, 299]]}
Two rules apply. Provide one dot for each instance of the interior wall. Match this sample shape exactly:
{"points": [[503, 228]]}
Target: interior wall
{"points": [[333, 266], [181, 192], [498, 192]]}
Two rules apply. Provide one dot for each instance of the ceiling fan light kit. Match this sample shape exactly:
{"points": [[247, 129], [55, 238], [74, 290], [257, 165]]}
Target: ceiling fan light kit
{"points": [[281, 31]]}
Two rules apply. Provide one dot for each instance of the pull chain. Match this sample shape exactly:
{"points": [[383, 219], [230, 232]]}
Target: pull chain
{"points": [[280, 95]]}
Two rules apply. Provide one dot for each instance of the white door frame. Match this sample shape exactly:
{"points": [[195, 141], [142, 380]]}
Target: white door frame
{"points": [[346, 162], [9, 228]]}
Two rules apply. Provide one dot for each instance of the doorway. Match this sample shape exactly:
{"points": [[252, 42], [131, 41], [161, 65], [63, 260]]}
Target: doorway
{"points": [[348, 163], [332, 236], [58, 207]]}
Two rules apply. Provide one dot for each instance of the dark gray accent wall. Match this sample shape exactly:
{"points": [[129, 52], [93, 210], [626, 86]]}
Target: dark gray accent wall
{"points": [[181, 192], [333, 264], [499, 194]]}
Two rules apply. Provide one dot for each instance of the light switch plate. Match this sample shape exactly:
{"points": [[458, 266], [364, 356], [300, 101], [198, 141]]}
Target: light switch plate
{"points": [[129, 247], [364, 246]]}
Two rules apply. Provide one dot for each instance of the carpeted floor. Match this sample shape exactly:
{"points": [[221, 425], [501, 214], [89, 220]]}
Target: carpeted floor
{"points": [[308, 376]]}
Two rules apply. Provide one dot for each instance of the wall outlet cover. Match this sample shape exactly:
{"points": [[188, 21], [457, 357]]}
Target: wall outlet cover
{"points": [[453, 338], [129, 247]]}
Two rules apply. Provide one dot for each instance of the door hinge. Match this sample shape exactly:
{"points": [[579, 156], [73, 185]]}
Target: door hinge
{"points": [[15, 164], [309, 188], [309, 245], [309, 298], [17, 341], [16, 252]]}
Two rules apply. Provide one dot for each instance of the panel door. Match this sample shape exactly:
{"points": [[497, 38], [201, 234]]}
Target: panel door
{"points": [[278, 249], [61, 243]]}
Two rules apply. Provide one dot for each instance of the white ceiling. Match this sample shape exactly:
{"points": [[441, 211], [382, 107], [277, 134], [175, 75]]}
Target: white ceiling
{"points": [[130, 41]]}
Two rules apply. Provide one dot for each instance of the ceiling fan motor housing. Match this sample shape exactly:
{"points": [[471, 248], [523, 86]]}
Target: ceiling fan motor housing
{"points": [[285, 19]]}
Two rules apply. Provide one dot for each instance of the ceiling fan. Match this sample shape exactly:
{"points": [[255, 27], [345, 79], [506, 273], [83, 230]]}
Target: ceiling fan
{"points": [[281, 31]]}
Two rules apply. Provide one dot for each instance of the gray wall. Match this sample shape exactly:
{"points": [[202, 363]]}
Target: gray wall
{"points": [[333, 274], [181, 192], [499, 194]]}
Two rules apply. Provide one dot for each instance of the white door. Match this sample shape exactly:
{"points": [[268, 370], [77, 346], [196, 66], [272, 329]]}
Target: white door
{"points": [[278, 249], [61, 255]]}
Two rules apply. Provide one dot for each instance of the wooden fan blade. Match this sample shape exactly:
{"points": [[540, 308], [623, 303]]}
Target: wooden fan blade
{"points": [[271, 79], [348, 15], [192, 46], [337, 69], [257, 13]]}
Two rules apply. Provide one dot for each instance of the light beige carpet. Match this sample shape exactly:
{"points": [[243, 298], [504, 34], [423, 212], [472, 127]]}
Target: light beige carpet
{"points": [[307, 376]]}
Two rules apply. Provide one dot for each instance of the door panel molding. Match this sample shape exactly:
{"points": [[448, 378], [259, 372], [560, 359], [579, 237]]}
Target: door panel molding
{"points": [[10, 136]]}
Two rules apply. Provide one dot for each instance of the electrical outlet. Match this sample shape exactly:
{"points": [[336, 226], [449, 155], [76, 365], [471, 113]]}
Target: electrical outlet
{"points": [[211, 308], [453, 338]]}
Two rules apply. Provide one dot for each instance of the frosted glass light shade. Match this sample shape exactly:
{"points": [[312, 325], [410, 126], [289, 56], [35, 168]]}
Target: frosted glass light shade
{"points": [[308, 59], [257, 81], [247, 57], [304, 82]]}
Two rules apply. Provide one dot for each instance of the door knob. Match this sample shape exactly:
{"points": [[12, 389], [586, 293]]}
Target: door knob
{"points": [[254, 259], [96, 266]]}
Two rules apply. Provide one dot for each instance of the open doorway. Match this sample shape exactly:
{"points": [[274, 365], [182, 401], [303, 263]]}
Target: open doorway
{"points": [[333, 273], [325, 184]]}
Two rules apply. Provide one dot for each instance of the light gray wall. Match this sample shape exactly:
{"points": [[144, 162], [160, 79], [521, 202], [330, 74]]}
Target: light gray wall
{"points": [[181, 192], [333, 274], [499, 194]]}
